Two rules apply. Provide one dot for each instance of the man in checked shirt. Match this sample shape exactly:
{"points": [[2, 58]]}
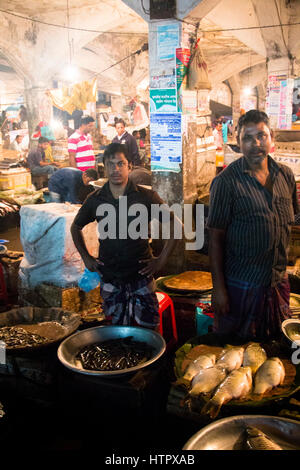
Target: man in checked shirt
{"points": [[252, 207]]}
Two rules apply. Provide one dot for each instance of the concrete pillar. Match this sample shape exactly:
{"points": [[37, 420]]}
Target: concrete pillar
{"points": [[280, 93], [39, 106], [235, 86]]}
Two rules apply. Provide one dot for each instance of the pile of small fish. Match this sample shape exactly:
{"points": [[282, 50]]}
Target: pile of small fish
{"points": [[14, 336], [115, 354], [232, 376]]}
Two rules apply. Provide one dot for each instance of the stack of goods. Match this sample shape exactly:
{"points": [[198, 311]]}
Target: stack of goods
{"points": [[87, 304], [60, 151], [10, 262], [211, 377]]}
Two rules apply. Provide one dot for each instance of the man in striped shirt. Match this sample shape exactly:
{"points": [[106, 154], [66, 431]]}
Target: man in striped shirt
{"points": [[252, 206], [80, 146]]}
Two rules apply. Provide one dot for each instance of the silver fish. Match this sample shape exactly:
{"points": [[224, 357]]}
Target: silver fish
{"points": [[270, 374], [202, 362], [231, 358], [236, 385], [257, 440], [207, 380], [254, 356]]}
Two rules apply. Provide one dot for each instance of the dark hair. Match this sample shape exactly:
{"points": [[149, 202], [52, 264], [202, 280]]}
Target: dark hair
{"points": [[135, 133], [43, 140], [254, 115], [120, 121], [19, 135], [114, 148], [91, 173], [86, 120]]}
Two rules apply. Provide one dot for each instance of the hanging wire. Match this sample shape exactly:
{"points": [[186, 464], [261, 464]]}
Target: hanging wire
{"points": [[249, 28]]}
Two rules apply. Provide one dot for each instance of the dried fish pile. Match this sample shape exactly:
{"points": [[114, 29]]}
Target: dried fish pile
{"points": [[114, 354], [14, 336]]}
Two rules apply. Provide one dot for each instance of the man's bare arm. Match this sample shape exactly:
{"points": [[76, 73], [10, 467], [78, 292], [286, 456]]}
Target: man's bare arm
{"points": [[72, 159], [90, 262]]}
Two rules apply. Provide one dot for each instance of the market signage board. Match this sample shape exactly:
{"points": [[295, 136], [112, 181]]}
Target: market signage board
{"points": [[163, 100], [166, 141], [167, 41], [182, 61]]}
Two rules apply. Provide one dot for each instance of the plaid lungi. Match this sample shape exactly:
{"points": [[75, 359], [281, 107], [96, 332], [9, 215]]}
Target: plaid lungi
{"points": [[131, 303], [256, 312]]}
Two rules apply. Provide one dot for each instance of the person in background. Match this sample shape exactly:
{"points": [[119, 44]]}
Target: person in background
{"points": [[36, 160], [123, 137], [22, 115], [252, 206], [140, 175], [67, 184], [80, 146], [225, 131], [126, 264], [69, 130], [16, 144]]}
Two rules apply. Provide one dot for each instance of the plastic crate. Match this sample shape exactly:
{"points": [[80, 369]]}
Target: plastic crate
{"points": [[15, 179]]}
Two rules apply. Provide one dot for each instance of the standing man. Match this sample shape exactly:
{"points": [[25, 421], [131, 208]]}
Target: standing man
{"points": [[252, 206], [125, 260], [80, 146], [123, 137], [68, 184], [36, 160]]}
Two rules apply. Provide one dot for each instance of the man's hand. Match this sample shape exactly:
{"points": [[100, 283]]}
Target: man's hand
{"points": [[153, 265], [92, 264], [220, 301]]}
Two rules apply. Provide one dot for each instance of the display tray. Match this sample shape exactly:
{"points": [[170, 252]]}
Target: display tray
{"points": [[160, 286], [212, 343], [195, 281], [53, 324]]}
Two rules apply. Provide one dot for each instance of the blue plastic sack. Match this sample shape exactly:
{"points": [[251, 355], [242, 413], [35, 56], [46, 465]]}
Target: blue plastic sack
{"points": [[203, 322], [89, 280]]}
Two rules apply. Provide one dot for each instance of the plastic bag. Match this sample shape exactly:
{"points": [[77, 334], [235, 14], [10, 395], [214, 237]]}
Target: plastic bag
{"points": [[197, 71], [89, 280]]}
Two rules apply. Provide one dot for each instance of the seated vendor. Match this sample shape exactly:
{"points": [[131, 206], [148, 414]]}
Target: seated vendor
{"points": [[17, 145], [36, 160], [69, 184]]}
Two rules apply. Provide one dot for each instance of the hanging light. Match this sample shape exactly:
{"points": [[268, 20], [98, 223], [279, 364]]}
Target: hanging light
{"points": [[71, 71], [247, 91]]}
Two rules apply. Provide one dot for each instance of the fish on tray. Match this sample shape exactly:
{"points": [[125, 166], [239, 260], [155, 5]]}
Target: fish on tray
{"points": [[231, 358], [202, 362], [236, 385], [207, 380], [257, 440], [270, 374], [254, 356]]}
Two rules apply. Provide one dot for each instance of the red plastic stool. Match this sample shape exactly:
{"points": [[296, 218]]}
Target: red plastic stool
{"points": [[166, 303], [3, 291]]}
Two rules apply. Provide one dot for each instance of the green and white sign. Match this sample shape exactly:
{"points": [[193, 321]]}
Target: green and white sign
{"points": [[163, 100]]}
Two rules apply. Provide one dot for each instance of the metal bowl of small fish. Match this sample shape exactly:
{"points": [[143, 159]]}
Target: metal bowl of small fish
{"points": [[247, 432], [291, 330], [29, 328], [111, 351]]}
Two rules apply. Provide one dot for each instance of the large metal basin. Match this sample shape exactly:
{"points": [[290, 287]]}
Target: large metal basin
{"points": [[69, 348], [227, 433]]}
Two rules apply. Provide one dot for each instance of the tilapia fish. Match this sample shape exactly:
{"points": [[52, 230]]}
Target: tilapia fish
{"points": [[257, 440], [236, 385], [254, 356], [270, 374], [202, 362], [231, 358], [207, 380]]}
